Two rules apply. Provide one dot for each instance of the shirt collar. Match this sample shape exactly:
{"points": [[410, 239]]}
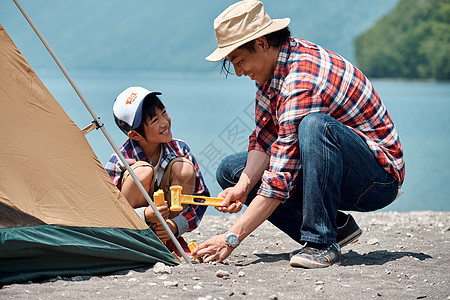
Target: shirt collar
{"points": [[279, 73]]}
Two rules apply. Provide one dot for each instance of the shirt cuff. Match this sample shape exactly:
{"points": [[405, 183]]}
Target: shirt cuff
{"points": [[182, 224], [141, 212]]}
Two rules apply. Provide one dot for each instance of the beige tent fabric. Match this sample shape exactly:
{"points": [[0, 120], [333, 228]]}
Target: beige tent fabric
{"points": [[47, 167]]}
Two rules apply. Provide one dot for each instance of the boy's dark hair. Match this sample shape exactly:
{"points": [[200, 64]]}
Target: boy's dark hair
{"points": [[274, 39], [151, 103]]}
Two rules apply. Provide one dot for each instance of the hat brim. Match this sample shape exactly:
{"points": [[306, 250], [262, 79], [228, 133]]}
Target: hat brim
{"points": [[221, 52]]}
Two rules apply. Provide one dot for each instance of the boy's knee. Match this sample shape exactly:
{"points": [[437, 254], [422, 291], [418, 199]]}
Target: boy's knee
{"points": [[145, 174], [182, 170]]}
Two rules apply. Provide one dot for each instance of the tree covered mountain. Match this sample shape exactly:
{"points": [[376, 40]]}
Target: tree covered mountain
{"points": [[411, 42], [163, 35]]}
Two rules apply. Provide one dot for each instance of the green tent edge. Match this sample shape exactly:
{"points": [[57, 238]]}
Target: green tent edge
{"points": [[35, 252]]}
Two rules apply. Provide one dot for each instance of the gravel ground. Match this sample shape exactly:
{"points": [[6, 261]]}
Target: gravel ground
{"points": [[399, 256]]}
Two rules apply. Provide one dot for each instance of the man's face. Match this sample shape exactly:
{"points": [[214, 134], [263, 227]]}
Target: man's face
{"points": [[257, 65]]}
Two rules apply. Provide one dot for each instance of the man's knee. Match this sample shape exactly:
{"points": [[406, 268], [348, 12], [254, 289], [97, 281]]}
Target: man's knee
{"points": [[230, 168], [312, 129], [313, 122]]}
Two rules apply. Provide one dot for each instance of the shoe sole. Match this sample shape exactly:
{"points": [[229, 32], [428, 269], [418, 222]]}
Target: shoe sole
{"points": [[352, 238], [297, 261]]}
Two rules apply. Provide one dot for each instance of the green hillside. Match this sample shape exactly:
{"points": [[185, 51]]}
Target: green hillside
{"points": [[411, 42]]}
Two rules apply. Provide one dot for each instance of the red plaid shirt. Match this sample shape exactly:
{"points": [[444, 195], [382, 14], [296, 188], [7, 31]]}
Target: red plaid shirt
{"points": [[310, 79]]}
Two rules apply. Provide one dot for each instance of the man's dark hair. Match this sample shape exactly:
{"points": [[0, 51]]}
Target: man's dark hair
{"points": [[151, 103], [274, 39]]}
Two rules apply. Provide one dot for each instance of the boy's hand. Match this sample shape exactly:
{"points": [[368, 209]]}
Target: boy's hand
{"points": [[161, 233], [150, 216]]}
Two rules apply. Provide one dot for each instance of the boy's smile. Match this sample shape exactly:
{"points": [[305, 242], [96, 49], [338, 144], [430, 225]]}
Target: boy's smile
{"points": [[157, 130]]}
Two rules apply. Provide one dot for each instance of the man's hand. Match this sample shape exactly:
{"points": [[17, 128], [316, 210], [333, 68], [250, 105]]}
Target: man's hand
{"points": [[150, 216], [229, 194], [215, 248]]}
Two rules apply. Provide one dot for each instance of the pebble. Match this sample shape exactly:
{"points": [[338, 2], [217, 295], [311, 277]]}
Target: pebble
{"points": [[160, 268], [373, 241], [222, 273], [77, 278], [241, 274], [170, 283]]}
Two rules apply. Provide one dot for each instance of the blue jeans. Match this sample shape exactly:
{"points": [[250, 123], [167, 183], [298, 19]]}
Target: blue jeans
{"points": [[338, 172]]}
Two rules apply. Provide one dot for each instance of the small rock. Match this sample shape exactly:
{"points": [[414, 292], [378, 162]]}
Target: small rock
{"points": [[197, 287], [273, 297], [241, 274], [222, 273], [319, 282], [318, 288], [160, 268], [132, 279], [373, 241], [77, 278], [170, 283]]}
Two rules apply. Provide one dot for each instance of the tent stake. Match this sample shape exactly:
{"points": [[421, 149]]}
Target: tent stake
{"points": [[106, 134]]}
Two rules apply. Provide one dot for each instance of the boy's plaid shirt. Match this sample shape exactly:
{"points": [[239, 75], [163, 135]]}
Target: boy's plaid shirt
{"points": [[175, 148], [310, 79]]}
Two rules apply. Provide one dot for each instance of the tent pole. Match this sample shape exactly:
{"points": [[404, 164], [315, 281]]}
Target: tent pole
{"points": [[108, 137]]}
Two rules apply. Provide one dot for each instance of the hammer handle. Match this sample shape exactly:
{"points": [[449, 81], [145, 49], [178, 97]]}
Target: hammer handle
{"points": [[210, 201]]}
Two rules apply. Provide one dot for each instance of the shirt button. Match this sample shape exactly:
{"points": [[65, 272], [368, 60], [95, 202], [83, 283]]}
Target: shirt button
{"points": [[264, 119]]}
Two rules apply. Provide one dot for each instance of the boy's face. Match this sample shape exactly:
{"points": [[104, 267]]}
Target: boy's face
{"points": [[258, 65], [158, 129]]}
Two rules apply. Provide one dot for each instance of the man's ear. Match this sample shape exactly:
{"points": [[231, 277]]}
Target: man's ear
{"points": [[134, 135], [262, 42]]}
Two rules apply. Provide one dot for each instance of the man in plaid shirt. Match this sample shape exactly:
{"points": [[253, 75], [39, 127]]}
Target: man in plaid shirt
{"points": [[323, 142]]}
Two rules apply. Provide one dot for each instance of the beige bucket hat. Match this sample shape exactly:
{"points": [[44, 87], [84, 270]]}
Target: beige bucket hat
{"points": [[240, 23]]}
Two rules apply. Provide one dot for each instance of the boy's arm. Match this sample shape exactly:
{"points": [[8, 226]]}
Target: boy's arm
{"points": [[189, 218]]}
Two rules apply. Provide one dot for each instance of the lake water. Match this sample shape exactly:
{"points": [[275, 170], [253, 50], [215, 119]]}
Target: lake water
{"points": [[214, 116]]}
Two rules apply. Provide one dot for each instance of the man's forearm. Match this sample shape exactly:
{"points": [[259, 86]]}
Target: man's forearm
{"points": [[257, 212], [257, 162]]}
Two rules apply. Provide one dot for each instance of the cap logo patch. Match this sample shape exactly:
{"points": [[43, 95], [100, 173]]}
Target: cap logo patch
{"points": [[131, 98]]}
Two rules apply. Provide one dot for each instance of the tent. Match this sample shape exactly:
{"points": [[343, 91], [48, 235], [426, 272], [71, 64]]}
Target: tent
{"points": [[60, 213]]}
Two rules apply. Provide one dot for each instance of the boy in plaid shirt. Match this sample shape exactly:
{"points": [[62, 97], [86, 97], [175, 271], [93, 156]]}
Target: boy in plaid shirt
{"points": [[158, 160]]}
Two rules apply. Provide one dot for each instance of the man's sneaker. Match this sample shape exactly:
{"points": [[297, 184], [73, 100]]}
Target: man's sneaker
{"points": [[313, 256], [348, 232]]}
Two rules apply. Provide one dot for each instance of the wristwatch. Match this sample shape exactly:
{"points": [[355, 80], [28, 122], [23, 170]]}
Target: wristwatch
{"points": [[231, 239]]}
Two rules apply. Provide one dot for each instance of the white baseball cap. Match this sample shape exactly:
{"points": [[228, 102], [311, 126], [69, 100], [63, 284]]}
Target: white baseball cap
{"points": [[127, 107]]}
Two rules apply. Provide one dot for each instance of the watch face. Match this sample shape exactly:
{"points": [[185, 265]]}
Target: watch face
{"points": [[232, 240]]}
